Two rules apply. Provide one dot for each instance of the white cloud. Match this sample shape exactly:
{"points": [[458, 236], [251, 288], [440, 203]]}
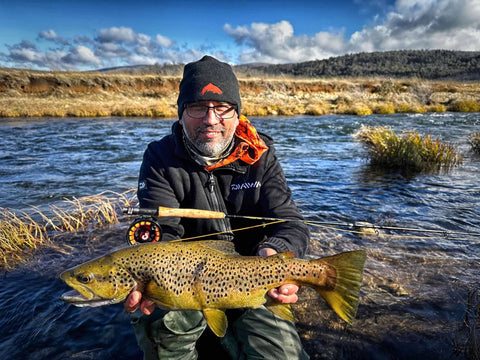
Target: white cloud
{"points": [[51, 35], [163, 41], [48, 34], [117, 35], [428, 24], [86, 56], [409, 24], [111, 50], [277, 43], [413, 24], [26, 54]]}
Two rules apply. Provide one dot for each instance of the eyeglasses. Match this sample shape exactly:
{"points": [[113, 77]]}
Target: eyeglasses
{"points": [[199, 111]]}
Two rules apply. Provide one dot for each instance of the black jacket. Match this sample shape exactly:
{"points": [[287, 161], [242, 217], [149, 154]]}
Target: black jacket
{"points": [[169, 177]]}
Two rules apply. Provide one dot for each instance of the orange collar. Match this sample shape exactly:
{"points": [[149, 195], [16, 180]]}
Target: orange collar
{"points": [[249, 150]]}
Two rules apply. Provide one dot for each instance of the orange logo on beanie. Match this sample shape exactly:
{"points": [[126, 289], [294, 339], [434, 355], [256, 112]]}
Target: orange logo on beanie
{"points": [[212, 88]]}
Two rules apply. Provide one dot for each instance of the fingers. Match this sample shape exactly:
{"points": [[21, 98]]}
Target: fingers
{"points": [[285, 294], [133, 301], [147, 307], [266, 252]]}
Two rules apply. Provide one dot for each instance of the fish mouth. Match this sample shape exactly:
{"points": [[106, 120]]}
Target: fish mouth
{"points": [[75, 298]]}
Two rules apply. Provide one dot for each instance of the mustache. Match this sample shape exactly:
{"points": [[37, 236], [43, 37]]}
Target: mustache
{"points": [[204, 128]]}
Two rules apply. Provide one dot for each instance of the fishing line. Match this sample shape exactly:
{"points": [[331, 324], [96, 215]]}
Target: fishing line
{"points": [[444, 234], [228, 231]]}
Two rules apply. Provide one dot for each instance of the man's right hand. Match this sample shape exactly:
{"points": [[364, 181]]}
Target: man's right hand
{"points": [[134, 300]]}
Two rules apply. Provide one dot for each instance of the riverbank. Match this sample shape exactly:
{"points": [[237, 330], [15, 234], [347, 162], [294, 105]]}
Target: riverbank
{"points": [[27, 93]]}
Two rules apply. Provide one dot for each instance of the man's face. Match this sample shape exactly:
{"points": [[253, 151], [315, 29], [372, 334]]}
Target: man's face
{"points": [[212, 132]]}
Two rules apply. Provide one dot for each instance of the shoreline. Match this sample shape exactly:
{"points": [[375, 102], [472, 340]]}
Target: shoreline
{"points": [[28, 93]]}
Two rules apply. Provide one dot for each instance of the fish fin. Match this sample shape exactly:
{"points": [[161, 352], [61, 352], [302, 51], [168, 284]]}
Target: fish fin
{"points": [[226, 247], [343, 297], [283, 311], [216, 320], [286, 255], [158, 295]]}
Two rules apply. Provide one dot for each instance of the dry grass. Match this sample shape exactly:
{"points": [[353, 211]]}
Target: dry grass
{"points": [[468, 343], [25, 93], [474, 141], [472, 322], [410, 152], [20, 233]]}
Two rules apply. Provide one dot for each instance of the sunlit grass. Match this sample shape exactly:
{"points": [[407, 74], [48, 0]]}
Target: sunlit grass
{"points": [[29, 93], [18, 234], [465, 106], [474, 141], [21, 232], [410, 152]]}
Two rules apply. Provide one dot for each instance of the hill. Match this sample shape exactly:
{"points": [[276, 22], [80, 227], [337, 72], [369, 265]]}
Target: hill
{"points": [[422, 64]]}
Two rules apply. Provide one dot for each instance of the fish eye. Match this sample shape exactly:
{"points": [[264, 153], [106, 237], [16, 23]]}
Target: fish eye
{"points": [[85, 278]]}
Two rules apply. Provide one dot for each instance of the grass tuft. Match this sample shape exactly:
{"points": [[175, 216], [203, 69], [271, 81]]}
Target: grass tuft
{"points": [[469, 343], [410, 152], [465, 106], [20, 232], [474, 141]]}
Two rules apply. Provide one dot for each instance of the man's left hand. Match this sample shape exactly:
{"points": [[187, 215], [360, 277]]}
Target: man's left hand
{"points": [[285, 294]]}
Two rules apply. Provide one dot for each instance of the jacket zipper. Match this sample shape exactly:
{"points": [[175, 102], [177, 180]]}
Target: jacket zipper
{"points": [[216, 206]]}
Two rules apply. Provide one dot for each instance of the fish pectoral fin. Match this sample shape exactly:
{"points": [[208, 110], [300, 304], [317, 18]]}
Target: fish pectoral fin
{"points": [[159, 296], [216, 320], [283, 311]]}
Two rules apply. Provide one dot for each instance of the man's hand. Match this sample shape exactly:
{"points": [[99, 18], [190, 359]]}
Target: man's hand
{"points": [[134, 300], [285, 294]]}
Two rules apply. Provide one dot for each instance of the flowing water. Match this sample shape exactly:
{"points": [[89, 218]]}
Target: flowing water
{"points": [[419, 291]]}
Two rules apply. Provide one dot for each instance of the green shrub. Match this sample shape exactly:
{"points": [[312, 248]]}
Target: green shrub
{"points": [[465, 106], [409, 152]]}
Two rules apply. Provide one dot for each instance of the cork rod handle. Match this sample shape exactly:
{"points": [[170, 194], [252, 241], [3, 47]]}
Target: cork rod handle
{"points": [[189, 213]]}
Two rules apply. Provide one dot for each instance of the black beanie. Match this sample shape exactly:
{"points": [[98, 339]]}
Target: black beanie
{"points": [[208, 80]]}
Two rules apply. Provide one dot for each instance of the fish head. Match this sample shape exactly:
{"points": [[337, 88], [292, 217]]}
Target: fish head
{"points": [[97, 282]]}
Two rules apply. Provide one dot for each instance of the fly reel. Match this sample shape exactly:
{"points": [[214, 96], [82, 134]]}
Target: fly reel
{"points": [[143, 230]]}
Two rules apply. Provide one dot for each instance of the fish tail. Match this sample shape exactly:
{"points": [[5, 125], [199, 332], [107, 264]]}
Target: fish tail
{"points": [[345, 280]]}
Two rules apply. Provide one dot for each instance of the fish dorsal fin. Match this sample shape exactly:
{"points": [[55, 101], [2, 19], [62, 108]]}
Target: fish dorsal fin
{"points": [[216, 320], [283, 311], [226, 247], [286, 255]]}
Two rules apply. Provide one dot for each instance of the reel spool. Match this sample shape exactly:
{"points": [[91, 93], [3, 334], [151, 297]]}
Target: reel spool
{"points": [[143, 230]]}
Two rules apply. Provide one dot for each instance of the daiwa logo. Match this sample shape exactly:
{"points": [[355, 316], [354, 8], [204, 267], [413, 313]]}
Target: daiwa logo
{"points": [[247, 185]]}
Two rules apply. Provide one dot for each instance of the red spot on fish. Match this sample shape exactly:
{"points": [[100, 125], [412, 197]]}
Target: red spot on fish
{"points": [[212, 88]]}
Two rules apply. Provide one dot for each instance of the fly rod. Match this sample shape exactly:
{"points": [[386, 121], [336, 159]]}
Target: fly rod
{"points": [[209, 214]]}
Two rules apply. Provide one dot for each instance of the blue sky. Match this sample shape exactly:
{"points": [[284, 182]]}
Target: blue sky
{"points": [[85, 35]]}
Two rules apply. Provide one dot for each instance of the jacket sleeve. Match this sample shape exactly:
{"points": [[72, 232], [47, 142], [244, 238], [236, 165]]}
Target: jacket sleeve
{"points": [[277, 202], [154, 190]]}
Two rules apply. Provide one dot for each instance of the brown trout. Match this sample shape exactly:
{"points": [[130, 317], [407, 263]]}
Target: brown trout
{"points": [[210, 276]]}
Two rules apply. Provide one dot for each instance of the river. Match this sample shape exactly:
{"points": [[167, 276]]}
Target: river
{"points": [[419, 290]]}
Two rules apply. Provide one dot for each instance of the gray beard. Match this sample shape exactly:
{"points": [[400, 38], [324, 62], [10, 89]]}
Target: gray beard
{"points": [[202, 153]]}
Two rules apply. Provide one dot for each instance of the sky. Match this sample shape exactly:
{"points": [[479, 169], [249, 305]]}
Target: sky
{"points": [[89, 35]]}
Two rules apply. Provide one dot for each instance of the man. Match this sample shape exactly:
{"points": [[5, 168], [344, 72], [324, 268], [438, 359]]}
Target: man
{"points": [[214, 159]]}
